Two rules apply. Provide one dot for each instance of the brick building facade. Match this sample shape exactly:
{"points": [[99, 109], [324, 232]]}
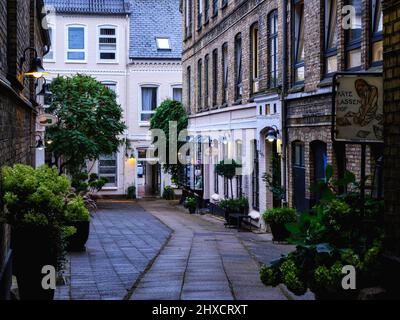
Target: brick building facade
{"points": [[326, 48], [21, 26], [231, 66], [392, 135], [291, 93]]}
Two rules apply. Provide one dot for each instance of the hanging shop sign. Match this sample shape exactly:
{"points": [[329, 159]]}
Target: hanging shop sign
{"points": [[357, 108], [47, 120]]}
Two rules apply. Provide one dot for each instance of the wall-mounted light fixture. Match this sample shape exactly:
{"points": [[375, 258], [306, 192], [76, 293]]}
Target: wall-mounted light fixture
{"points": [[36, 69], [272, 134], [39, 143], [42, 92]]}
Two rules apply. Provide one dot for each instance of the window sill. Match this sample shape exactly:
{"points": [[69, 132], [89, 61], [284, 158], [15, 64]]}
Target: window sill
{"points": [[76, 61], [296, 88], [237, 102], [224, 6], [206, 22], [107, 62], [326, 82], [144, 124], [224, 105], [109, 189]]}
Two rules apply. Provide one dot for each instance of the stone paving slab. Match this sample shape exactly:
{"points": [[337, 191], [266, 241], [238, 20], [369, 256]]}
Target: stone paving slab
{"points": [[123, 240], [205, 260]]}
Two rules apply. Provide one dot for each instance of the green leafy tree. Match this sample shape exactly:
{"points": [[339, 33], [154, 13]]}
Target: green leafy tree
{"points": [[170, 110], [90, 121]]}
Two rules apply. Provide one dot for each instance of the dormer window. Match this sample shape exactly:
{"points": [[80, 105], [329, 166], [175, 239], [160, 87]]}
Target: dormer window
{"points": [[163, 44]]}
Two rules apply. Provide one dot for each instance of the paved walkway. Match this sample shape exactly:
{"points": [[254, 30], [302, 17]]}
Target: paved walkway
{"points": [[203, 260], [123, 241], [153, 250]]}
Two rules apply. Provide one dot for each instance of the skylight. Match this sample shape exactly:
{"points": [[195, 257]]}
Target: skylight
{"points": [[163, 44]]}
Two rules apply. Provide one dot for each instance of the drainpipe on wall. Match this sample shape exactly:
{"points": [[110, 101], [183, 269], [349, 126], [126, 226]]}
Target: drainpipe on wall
{"points": [[283, 101]]}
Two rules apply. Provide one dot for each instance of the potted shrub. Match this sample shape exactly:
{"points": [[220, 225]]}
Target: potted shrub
{"points": [[277, 218], [234, 206], [77, 216], [34, 202], [191, 204], [168, 193], [131, 192], [334, 234]]}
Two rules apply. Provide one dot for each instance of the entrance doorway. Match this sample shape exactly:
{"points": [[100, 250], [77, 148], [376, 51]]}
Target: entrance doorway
{"points": [[148, 179], [299, 177]]}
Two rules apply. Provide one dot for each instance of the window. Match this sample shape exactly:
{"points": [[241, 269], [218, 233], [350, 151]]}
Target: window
{"points": [[76, 43], [50, 56], [149, 102], [108, 169], [238, 67], [331, 36], [206, 85], [353, 37], [298, 30], [224, 3], [273, 49], [107, 43], [177, 94], [111, 85], [199, 14], [200, 85], [215, 7], [254, 57], [239, 186], [216, 182], [377, 28], [206, 10], [299, 154], [215, 151], [163, 44], [189, 18], [225, 71], [215, 77], [254, 179], [189, 87]]}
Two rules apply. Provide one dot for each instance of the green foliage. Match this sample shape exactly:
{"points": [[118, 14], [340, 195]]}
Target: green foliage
{"points": [[168, 193], [36, 198], [170, 110], [239, 205], [273, 179], [227, 169], [84, 183], [90, 121], [333, 234], [131, 192], [190, 203], [76, 210], [280, 215]]}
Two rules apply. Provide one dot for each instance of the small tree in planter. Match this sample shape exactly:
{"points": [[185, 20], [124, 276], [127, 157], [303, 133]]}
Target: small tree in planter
{"points": [[277, 218], [191, 204], [34, 207], [227, 169]]}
